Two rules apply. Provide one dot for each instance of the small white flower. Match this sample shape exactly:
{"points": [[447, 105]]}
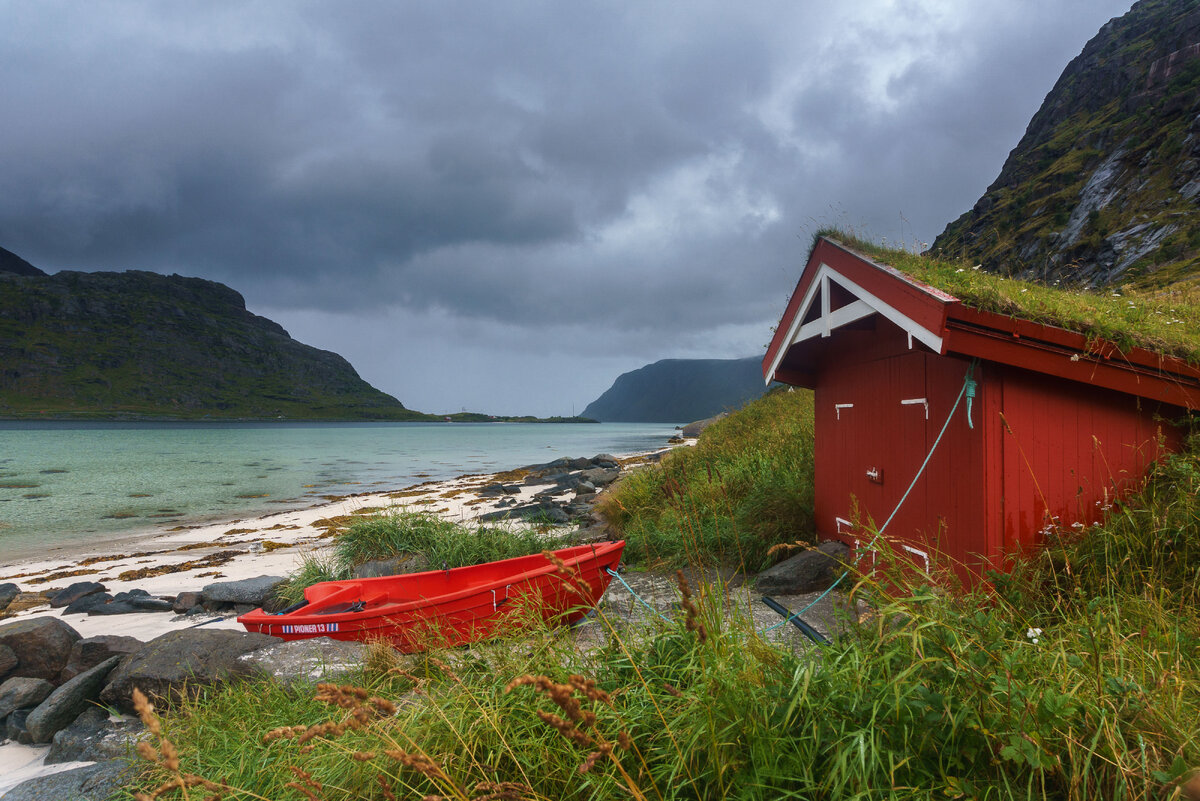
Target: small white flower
{"points": [[977, 266], [961, 270], [1033, 634]]}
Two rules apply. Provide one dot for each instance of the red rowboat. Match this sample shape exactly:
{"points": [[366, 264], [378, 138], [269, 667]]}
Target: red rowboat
{"points": [[449, 607]]}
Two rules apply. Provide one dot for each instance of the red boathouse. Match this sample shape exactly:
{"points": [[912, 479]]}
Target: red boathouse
{"points": [[1052, 428]]}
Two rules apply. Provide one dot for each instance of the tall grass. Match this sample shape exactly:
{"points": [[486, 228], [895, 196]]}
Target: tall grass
{"points": [[1070, 678], [746, 486]]}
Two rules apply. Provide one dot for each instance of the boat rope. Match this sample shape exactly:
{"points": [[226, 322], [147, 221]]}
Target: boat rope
{"points": [[968, 388], [637, 597]]}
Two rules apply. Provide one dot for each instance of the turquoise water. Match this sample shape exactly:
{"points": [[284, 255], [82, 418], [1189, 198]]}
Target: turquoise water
{"points": [[63, 483]]}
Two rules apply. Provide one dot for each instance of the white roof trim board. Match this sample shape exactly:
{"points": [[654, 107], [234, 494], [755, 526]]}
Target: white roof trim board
{"points": [[864, 305]]}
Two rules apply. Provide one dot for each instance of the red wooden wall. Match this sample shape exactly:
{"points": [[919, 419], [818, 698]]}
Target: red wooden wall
{"points": [[1039, 444], [1066, 450]]}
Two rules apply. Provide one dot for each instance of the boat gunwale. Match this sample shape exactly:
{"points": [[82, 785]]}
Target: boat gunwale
{"points": [[593, 552]]}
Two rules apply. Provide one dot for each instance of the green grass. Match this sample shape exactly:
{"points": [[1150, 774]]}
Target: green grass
{"points": [[1166, 321], [933, 695], [439, 543], [745, 487]]}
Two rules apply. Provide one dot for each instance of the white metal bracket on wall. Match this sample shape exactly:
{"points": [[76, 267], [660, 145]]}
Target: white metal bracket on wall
{"points": [[917, 402]]}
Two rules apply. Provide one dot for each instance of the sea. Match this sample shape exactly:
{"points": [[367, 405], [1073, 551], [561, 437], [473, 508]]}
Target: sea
{"points": [[71, 483]]}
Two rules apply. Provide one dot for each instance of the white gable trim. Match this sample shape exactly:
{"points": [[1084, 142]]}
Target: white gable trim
{"points": [[865, 305]]}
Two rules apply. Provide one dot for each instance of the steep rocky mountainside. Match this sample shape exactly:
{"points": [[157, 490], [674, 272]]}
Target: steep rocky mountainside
{"points": [[1104, 187], [679, 391], [142, 344]]}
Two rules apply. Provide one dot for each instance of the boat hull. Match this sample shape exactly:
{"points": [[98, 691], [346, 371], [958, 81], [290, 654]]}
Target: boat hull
{"points": [[442, 608]]}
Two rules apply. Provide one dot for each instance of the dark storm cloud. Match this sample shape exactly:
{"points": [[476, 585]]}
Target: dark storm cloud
{"points": [[650, 167]]}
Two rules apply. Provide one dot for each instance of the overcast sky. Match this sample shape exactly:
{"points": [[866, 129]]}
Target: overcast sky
{"points": [[501, 206]]}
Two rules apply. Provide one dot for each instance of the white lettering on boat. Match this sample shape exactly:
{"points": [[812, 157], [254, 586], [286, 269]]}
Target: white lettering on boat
{"points": [[309, 628]]}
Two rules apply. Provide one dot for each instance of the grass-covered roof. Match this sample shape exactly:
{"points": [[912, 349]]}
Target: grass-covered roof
{"points": [[1165, 320]]}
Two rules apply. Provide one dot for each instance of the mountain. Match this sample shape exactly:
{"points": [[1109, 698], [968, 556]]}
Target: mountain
{"points": [[139, 344], [1104, 186], [679, 391]]}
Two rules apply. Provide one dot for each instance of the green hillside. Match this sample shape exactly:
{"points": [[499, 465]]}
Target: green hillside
{"points": [[143, 345]]}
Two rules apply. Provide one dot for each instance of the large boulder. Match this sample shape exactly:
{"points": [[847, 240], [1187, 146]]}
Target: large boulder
{"points": [[7, 593], [605, 460], [64, 704], [21, 693], [8, 660], [251, 591], [42, 646], [600, 476], [73, 593], [87, 603], [306, 660], [91, 651], [807, 571], [94, 736], [188, 658], [89, 783]]}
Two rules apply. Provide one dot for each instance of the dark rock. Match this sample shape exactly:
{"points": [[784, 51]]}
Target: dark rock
{"points": [[20, 692], [73, 593], [64, 704], [605, 460], [8, 660], [42, 645], [306, 660], [247, 591], [392, 566], [580, 464], [496, 490], [7, 593], [95, 737], [14, 726], [130, 595], [113, 608], [600, 476], [585, 488], [191, 657], [549, 514], [808, 571], [185, 601], [91, 651], [87, 603], [90, 783], [697, 428], [150, 604]]}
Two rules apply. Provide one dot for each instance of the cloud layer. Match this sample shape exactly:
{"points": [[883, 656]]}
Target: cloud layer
{"points": [[502, 205]]}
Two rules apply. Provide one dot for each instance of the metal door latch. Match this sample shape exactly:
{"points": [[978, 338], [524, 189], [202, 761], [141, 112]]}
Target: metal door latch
{"points": [[875, 475]]}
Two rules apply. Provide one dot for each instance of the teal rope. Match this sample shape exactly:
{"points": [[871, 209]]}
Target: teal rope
{"points": [[968, 382], [637, 597]]}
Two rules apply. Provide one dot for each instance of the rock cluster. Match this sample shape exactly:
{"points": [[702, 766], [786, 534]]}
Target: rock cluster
{"points": [[60, 688], [92, 598], [570, 489]]}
